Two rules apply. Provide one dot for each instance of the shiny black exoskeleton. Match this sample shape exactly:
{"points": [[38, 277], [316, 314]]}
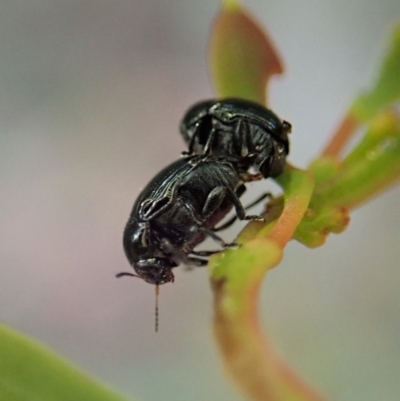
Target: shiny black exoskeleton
{"points": [[240, 131], [177, 210]]}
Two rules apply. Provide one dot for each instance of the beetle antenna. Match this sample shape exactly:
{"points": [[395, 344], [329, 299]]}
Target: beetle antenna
{"points": [[156, 311], [126, 274]]}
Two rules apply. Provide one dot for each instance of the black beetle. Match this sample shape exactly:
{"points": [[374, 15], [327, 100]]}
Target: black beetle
{"points": [[241, 131], [177, 210]]}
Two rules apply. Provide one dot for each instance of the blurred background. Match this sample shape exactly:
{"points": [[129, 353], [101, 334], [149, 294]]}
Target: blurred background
{"points": [[91, 95]]}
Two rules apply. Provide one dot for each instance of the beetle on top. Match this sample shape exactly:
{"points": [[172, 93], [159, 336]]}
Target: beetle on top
{"points": [[240, 131]]}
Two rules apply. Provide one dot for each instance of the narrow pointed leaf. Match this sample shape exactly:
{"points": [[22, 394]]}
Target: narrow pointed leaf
{"points": [[387, 87], [373, 166], [30, 372]]}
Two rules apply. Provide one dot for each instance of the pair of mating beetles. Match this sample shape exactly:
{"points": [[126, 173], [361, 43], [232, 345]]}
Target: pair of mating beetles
{"points": [[230, 142]]}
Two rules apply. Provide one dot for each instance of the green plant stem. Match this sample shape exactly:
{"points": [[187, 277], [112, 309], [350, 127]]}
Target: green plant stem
{"points": [[247, 354]]}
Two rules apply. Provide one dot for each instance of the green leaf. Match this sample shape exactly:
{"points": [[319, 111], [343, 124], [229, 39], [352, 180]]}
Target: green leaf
{"points": [[370, 168], [387, 87], [242, 57], [30, 372]]}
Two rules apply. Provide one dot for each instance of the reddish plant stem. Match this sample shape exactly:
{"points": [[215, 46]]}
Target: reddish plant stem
{"points": [[346, 130]]}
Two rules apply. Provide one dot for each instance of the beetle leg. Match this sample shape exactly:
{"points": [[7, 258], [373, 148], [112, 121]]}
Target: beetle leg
{"points": [[225, 225], [167, 247], [208, 146], [213, 201], [254, 217], [259, 199], [240, 211], [192, 140], [186, 154], [234, 218], [240, 190], [218, 239], [197, 262], [241, 130], [204, 254]]}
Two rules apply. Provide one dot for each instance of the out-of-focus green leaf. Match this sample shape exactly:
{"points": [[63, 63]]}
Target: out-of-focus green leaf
{"points": [[242, 57], [370, 168], [382, 129], [30, 372], [387, 87]]}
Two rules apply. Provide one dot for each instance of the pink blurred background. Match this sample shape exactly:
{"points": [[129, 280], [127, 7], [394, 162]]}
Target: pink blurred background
{"points": [[91, 97]]}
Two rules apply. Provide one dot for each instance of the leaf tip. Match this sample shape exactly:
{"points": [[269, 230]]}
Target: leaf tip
{"points": [[230, 5]]}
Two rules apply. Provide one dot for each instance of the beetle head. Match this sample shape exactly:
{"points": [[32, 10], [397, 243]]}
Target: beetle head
{"points": [[155, 270], [286, 129], [272, 165]]}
